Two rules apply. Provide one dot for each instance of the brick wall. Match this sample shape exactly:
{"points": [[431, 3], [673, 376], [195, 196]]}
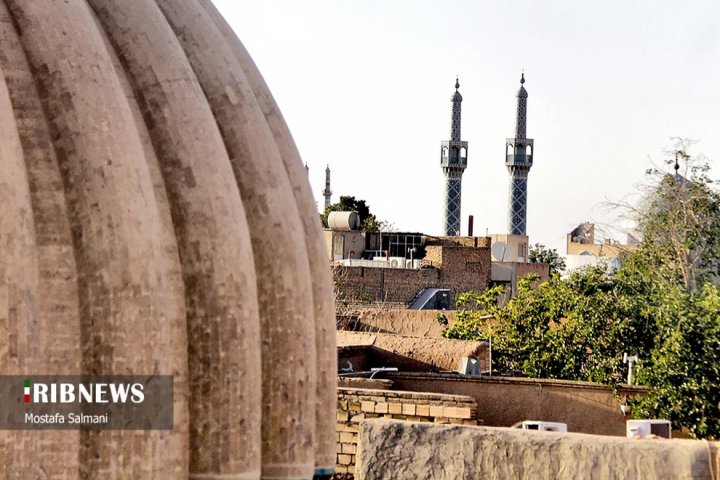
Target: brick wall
{"points": [[383, 284], [356, 405], [476, 242], [466, 269], [461, 269]]}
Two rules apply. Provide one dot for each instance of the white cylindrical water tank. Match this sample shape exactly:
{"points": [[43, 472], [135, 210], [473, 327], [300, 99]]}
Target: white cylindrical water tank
{"points": [[344, 221]]}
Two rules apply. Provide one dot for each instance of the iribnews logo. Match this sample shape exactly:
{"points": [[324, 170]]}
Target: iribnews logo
{"points": [[96, 393]]}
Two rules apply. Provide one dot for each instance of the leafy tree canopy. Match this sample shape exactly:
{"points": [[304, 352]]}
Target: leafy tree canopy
{"points": [[662, 305], [540, 254]]}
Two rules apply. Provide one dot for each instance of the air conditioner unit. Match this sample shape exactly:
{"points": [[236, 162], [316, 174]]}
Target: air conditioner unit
{"points": [[645, 428], [397, 262], [544, 426]]}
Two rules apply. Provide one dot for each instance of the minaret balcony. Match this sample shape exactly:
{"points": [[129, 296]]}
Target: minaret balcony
{"points": [[453, 162], [519, 159], [453, 154]]}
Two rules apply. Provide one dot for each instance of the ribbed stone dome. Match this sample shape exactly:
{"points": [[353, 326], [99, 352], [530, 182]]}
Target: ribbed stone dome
{"points": [[157, 219]]}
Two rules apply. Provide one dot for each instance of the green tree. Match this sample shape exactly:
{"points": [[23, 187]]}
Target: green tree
{"points": [[683, 370], [679, 218], [540, 254], [368, 221], [663, 305], [574, 328], [679, 259]]}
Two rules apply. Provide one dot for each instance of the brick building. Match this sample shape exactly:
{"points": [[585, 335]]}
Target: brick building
{"points": [[459, 264]]}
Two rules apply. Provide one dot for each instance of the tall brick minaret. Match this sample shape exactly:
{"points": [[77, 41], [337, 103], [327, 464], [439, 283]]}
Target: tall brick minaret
{"points": [[327, 193], [453, 160], [519, 160]]}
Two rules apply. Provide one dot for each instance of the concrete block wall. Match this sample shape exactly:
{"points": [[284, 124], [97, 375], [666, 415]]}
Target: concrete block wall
{"points": [[356, 405]]}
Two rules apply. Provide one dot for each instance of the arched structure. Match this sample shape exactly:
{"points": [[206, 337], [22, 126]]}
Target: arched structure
{"points": [[157, 219]]}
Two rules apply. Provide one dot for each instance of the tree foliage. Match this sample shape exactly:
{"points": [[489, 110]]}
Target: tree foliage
{"points": [[662, 305], [540, 254], [680, 221], [683, 369], [368, 221], [574, 328]]}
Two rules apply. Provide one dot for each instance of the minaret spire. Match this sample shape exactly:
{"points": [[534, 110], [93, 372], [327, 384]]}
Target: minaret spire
{"points": [[453, 160], [327, 193], [519, 160]]}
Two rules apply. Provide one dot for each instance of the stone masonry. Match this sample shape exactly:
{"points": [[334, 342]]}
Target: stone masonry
{"points": [[356, 405]]}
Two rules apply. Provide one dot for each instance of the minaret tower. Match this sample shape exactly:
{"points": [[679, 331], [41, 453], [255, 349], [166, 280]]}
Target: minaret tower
{"points": [[519, 160], [453, 160], [327, 193]]}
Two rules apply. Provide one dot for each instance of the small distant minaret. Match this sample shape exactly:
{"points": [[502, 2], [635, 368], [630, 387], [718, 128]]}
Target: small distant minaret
{"points": [[453, 160], [327, 193], [519, 160]]}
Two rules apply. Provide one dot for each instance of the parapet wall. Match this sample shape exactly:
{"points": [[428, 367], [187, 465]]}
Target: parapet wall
{"points": [[475, 242], [414, 323], [356, 405], [503, 401], [408, 354], [403, 450]]}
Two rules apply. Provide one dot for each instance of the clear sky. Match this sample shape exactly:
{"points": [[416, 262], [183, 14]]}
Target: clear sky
{"points": [[365, 87]]}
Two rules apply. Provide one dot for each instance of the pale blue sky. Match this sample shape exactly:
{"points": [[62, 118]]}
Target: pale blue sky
{"points": [[365, 86]]}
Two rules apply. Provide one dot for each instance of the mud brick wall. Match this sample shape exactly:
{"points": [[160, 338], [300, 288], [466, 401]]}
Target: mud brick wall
{"points": [[415, 323], [502, 401], [442, 452], [356, 405], [409, 354]]}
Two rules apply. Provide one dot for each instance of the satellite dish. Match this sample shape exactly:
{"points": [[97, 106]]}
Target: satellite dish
{"points": [[498, 251]]}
